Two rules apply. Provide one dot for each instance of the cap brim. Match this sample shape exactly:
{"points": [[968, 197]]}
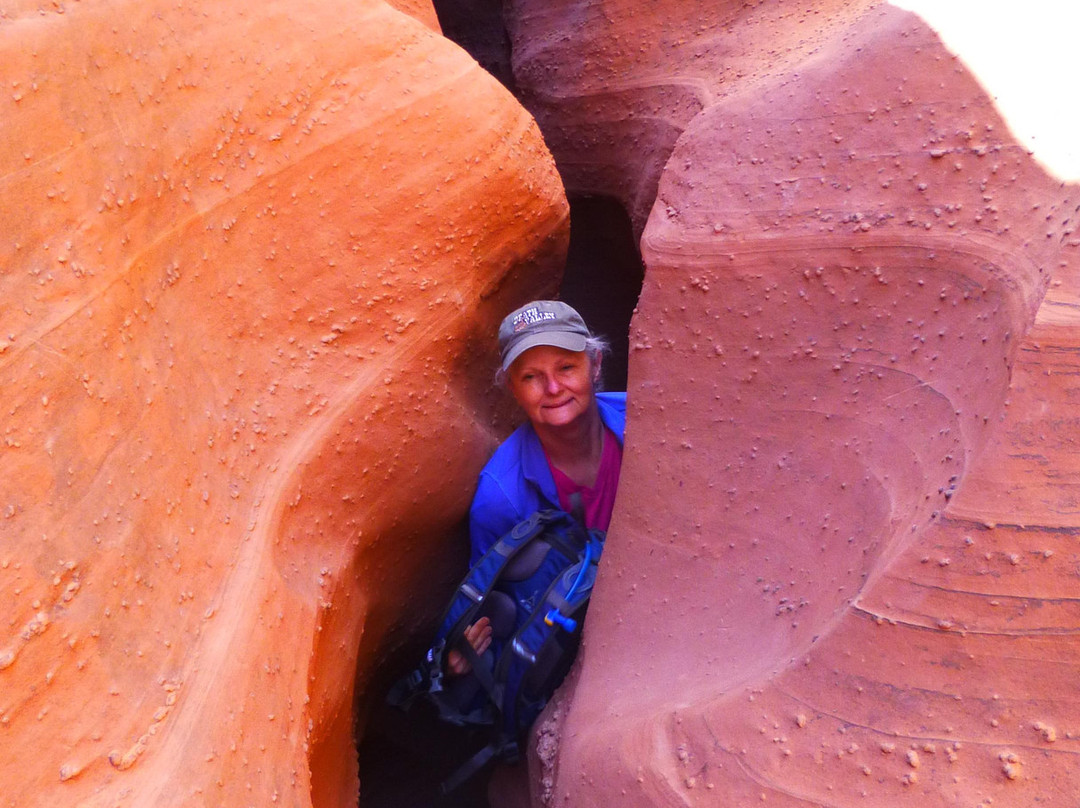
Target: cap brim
{"points": [[568, 340]]}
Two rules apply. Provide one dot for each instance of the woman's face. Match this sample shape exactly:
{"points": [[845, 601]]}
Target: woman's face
{"points": [[553, 385]]}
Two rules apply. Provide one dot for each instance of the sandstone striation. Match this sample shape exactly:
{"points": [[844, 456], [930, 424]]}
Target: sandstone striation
{"points": [[614, 83], [251, 266], [251, 262], [840, 566]]}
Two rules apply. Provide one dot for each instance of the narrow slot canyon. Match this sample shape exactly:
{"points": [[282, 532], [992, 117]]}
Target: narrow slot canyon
{"points": [[405, 757], [252, 269]]}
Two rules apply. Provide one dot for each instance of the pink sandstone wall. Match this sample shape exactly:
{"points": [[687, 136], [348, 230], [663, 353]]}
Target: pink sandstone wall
{"points": [[842, 566], [251, 260]]}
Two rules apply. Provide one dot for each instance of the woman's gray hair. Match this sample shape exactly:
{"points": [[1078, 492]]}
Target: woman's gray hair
{"points": [[596, 347]]}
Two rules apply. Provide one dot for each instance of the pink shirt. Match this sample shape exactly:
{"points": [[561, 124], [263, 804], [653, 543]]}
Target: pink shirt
{"points": [[600, 499]]}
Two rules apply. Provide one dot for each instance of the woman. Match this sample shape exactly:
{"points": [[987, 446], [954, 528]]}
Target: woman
{"points": [[571, 443]]}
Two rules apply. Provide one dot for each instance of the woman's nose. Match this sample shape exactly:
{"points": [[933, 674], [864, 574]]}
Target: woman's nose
{"points": [[551, 384]]}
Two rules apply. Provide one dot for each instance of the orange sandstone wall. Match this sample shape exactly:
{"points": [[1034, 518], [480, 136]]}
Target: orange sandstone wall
{"points": [[840, 568], [251, 260]]}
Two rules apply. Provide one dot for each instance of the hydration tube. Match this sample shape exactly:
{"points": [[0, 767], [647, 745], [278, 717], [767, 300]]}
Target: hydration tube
{"points": [[554, 616]]}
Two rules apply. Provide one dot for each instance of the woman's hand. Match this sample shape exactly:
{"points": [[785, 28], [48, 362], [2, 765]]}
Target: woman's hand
{"points": [[478, 635]]}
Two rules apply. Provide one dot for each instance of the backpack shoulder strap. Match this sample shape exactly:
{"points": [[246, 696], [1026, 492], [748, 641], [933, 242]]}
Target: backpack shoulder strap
{"points": [[467, 600]]}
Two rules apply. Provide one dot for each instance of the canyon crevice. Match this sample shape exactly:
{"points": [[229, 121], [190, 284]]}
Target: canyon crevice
{"points": [[252, 267]]}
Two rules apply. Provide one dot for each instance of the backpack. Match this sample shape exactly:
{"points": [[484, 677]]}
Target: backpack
{"points": [[534, 585]]}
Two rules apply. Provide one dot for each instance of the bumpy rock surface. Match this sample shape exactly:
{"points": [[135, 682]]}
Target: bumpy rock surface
{"points": [[841, 567], [251, 260]]}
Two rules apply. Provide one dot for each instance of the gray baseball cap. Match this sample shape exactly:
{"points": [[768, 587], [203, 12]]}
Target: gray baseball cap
{"points": [[542, 322]]}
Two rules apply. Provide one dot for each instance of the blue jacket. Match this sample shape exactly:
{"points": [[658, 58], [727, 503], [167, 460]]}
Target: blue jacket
{"points": [[517, 481]]}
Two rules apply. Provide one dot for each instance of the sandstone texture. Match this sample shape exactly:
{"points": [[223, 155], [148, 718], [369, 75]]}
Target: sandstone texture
{"points": [[842, 569], [251, 262], [251, 265]]}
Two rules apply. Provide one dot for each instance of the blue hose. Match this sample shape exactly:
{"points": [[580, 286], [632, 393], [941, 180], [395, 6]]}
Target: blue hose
{"points": [[555, 617]]}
